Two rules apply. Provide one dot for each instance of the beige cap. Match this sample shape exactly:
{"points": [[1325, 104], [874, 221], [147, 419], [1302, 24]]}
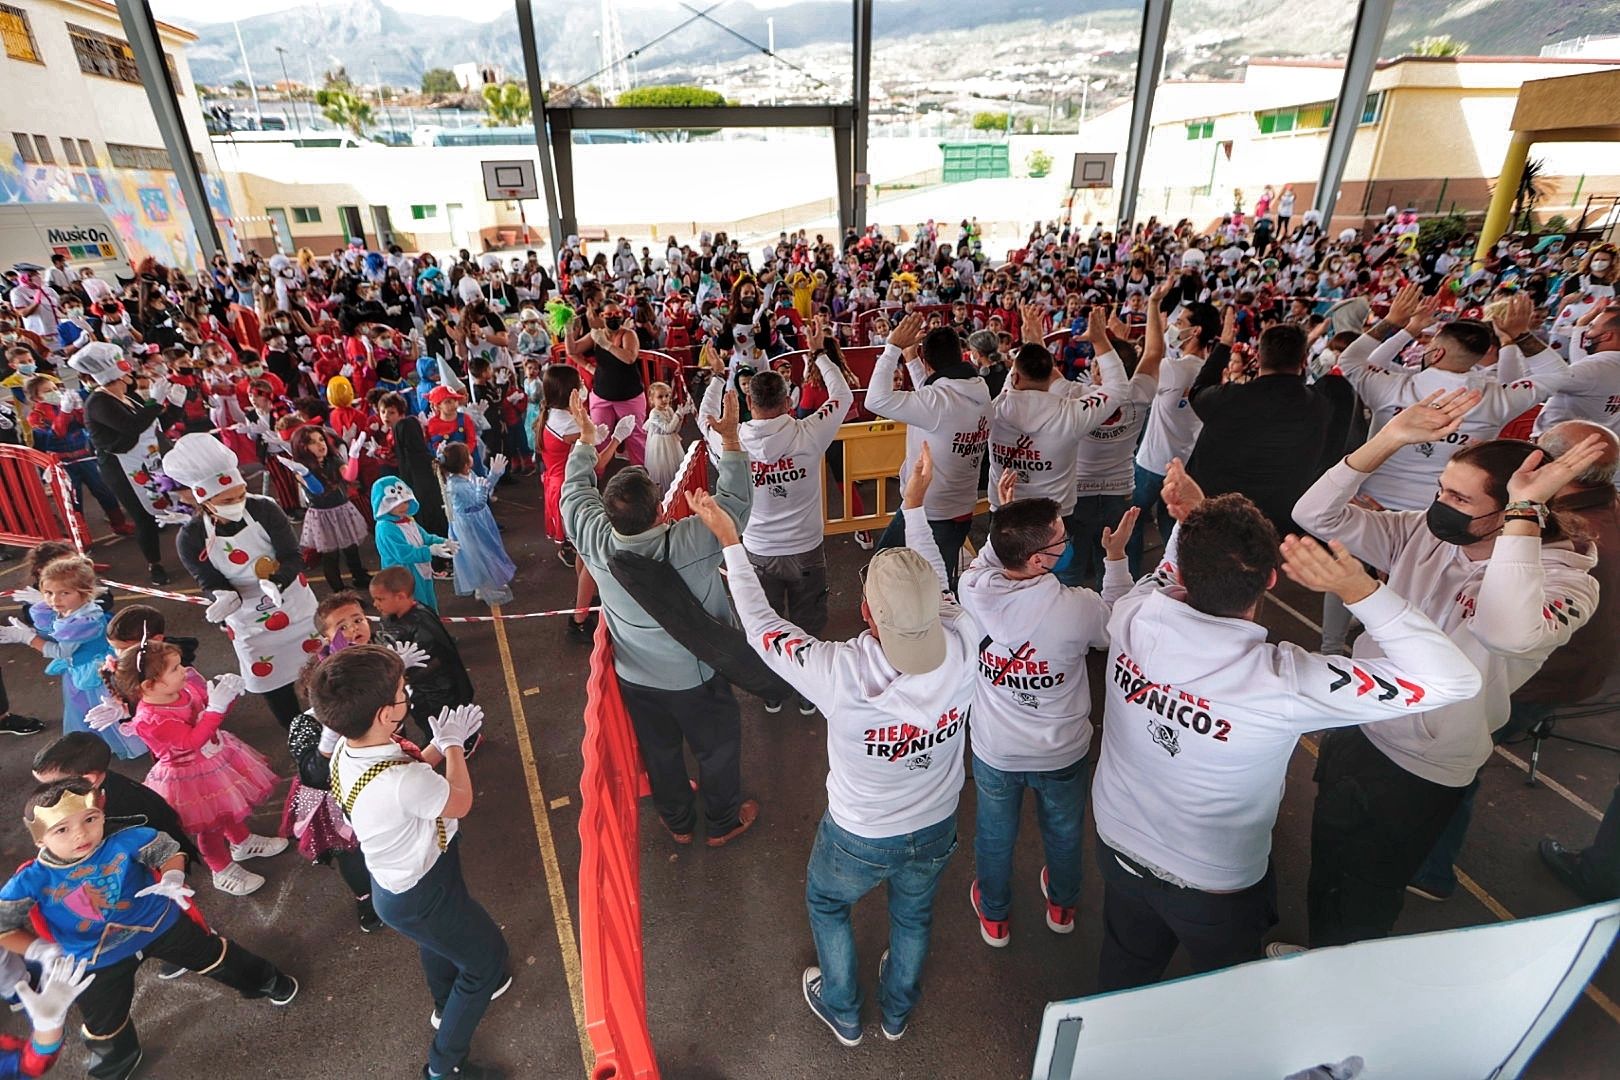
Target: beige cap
{"points": [[902, 592]]}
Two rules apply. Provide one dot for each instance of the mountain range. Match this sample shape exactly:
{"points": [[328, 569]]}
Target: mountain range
{"points": [[371, 40]]}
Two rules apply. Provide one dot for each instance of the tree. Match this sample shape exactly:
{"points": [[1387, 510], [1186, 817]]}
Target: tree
{"points": [[506, 104], [673, 97], [345, 109], [239, 84], [1039, 163], [990, 121], [1533, 187], [439, 81], [1439, 45]]}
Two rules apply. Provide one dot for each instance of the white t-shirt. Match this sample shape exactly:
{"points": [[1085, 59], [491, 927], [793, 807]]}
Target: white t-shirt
{"points": [[1104, 458], [396, 815], [1173, 427]]}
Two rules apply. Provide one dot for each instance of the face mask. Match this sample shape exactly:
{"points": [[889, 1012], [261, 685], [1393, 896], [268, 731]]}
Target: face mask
{"points": [[230, 511], [1172, 336], [72, 313], [1600, 265], [255, 370], [1450, 525], [613, 322], [1065, 560], [51, 397], [25, 369]]}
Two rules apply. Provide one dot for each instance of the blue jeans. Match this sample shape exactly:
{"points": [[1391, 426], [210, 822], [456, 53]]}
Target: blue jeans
{"points": [[845, 867], [1085, 524], [1060, 811], [949, 535], [463, 953], [1438, 875], [1146, 498]]}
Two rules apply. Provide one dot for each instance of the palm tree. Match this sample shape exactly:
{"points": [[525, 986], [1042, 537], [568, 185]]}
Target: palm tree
{"points": [[506, 104], [1533, 187], [1439, 45], [344, 109]]}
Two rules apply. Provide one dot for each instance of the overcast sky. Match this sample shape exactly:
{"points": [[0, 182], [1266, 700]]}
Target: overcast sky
{"points": [[201, 11]]}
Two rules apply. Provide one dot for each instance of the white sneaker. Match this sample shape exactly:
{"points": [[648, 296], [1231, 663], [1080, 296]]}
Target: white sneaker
{"points": [[863, 540], [258, 847], [237, 881], [437, 1017], [1277, 950]]}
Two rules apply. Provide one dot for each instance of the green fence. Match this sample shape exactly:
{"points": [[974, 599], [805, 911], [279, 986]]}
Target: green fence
{"points": [[975, 161]]}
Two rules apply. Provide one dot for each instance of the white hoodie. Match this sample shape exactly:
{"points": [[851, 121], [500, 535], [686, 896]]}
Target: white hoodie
{"points": [[894, 742], [1038, 433], [952, 416], [784, 463], [1507, 614], [1032, 704], [1590, 390], [1202, 716]]}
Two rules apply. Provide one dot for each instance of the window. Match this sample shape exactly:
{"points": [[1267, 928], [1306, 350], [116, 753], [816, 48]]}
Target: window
{"points": [[99, 54], [42, 146], [306, 215], [25, 148], [125, 156], [70, 152], [1200, 129], [18, 35], [1373, 109], [87, 154], [424, 213]]}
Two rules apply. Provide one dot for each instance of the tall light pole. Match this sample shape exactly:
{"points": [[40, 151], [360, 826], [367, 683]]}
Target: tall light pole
{"points": [[286, 89], [770, 45], [258, 114]]}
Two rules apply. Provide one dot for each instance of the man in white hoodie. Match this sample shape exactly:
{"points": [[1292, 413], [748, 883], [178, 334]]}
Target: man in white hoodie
{"points": [[784, 534], [1202, 717], [949, 412], [897, 701], [1032, 702]]}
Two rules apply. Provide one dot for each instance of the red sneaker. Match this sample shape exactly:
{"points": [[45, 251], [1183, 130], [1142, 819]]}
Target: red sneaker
{"points": [[994, 931], [1059, 920]]}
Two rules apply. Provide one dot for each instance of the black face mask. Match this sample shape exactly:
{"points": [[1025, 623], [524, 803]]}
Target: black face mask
{"points": [[613, 322], [1450, 525]]}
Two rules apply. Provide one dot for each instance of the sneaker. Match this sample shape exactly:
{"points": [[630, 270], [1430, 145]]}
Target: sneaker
{"points": [[1059, 920], [811, 981], [863, 540], [678, 837], [237, 881], [18, 724], [470, 747], [568, 556], [994, 931], [583, 631], [283, 990], [370, 921], [156, 574], [1438, 895], [747, 814], [468, 1071], [438, 1017], [891, 1032], [806, 706], [773, 706], [1565, 863], [1277, 950], [168, 970], [258, 847]]}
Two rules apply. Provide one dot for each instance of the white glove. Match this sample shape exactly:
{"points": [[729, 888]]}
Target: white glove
{"points": [[347, 434], [177, 396], [224, 690], [28, 595], [623, 428], [173, 885], [444, 550], [71, 401], [41, 951], [108, 714], [292, 466], [16, 632], [159, 389], [359, 443], [410, 654], [271, 590], [172, 517], [226, 601], [497, 466], [347, 371], [60, 985], [455, 725], [602, 434]]}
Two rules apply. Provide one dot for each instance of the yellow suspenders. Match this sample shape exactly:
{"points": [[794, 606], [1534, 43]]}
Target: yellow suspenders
{"points": [[371, 773]]}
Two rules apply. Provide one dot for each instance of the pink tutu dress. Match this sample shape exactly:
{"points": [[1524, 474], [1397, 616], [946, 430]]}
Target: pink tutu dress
{"points": [[211, 778]]}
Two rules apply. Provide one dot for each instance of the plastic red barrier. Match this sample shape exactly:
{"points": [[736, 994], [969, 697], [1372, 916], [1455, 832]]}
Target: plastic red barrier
{"points": [[36, 500], [693, 475]]}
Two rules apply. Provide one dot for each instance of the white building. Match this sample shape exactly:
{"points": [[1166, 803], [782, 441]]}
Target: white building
{"points": [[472, 77], [76, 126]]}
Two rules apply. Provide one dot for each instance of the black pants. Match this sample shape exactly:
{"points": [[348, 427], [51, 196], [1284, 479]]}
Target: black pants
{"points": [[146, 526], [104, 1005], [283, 702], [705, 717], [1373, 825], [357, 568], [351, 866], [1145, 918], [795, 586]]}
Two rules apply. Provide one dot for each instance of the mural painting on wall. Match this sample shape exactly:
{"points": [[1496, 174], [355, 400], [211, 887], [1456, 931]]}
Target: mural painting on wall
{"points": [[145, 207]]}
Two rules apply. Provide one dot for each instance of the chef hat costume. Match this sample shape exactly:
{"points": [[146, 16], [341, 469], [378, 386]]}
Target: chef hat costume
{"points": [[203, 464], [103, 362]]}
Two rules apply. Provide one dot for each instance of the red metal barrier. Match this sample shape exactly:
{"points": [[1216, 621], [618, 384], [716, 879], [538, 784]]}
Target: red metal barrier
{"points": [[36, 500]]}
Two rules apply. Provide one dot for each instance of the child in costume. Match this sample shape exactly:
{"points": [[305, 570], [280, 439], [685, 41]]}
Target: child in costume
{"points": [[482, 566], [345, 417], [440, 679], [447, 423], [401, 541], [114, 900], [211, 778], [60, 983], [333, 525], [664, 449], [70, 629]]}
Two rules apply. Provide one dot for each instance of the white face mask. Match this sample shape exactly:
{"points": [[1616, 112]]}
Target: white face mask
{"points": [[235, 511], [51, 397], [1600, 265]]}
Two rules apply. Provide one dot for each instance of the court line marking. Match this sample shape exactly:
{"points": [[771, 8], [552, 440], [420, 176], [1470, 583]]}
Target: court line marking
{"points": [[567, 944], [1496, 908], [1519, 763]]}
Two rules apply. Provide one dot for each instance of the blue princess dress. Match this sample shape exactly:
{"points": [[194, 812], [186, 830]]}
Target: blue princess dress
{"points": [[482, 566], [77, 648]]}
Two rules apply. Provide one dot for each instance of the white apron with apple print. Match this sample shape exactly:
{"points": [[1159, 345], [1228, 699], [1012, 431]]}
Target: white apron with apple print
{"points": [[272, 644], [143, 465]]}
